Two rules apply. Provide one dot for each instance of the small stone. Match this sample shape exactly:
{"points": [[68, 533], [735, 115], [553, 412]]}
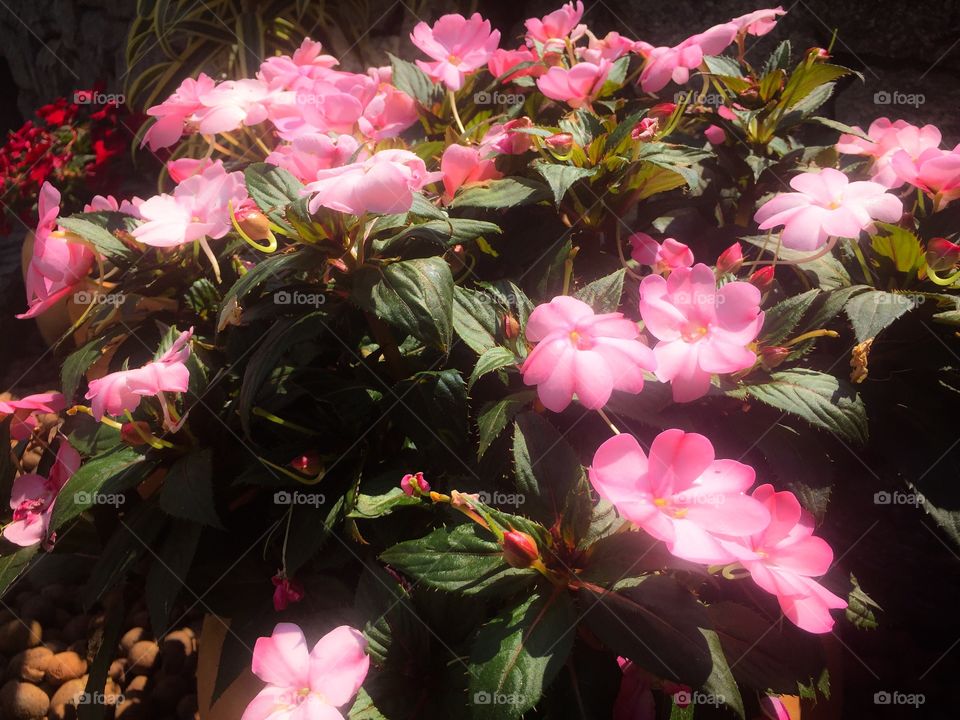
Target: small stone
{"points": [[142, 657], [23, 701], [65, 700], [30, 664], [130, 638], [65, 666], [17, 635]]}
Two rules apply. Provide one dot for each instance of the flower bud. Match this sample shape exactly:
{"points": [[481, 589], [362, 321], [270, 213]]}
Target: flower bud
{"points": [[309, 463], [135, 433], [511, 328], [715, 135], [771, 357], [414, 485], [942, 254], [730, 259], [662, 110], [560, 142], [519, 549], [818, 54], [287, 591], [762, 278], [254, 223], [646, 129]]}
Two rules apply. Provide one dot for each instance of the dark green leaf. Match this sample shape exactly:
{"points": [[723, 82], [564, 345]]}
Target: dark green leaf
{"points": [[495, 417], [493, 359], [188, 489], [561, 177], [168, 572], [97, 229], [872, 311], [475, 319], [547, 468], [410, 79], [79, 492], [272, 188], [603, 294], [780, 320], [499, 194], [374, 506]]}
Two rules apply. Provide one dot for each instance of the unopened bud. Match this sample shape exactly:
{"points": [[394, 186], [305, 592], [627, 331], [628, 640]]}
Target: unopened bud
{"points": [[135, 433], [561, 142], [730, 260], [511, 328], [762, 279], [414, 485], [771, 357], [646, 129], [818, 54], [519, 549], [942, 254], [309, 463], [254, 223], [662, 110]]}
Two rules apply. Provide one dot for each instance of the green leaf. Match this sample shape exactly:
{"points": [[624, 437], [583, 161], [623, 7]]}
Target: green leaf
{"points": [[603, 294], [13, 565], [187, 491], [97, 229], [503, 193], [779, 59], [517, 655], [820, 399], [839, 126], [465, 560], [78, 362], [495, 417], [475, 319], [493, 359], [780, 320], [561, 177], [374, 506], [434, 413], [272, 188], [79, 492], [363, 708], [410, 79], [266, 269], [872, 311], [168, 572], [808, 77], [900, 247], [547, 468], [860, 607], [625, 555], [414, 295]]}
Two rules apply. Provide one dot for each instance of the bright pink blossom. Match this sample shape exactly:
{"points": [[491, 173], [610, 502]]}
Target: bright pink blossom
{"points": [[414, 484], [610, 47], [675, 63], [702, 330], [773, 708], [783, 558], [199, 207], [388, 114], [233, 104], [827, 204], [935, 171], [309, 154], [383, 183], [715, 135], [457, 45], [464, 165], [662, 257], [175, 111], [57, 263], [108, 203], [120, 392], [578, 86], [552, 31], [680, 493], [759, 22], [182, 168], [507, 138], [33, 496], [503, 61], [287, 591], [285, 72], [329, 101], [583, 354], [307, 685], [886, 140], [25, 409], [645, 130]]}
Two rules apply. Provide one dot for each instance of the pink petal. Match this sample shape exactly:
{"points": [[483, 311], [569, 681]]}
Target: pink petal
{"points": [[561, 313], [282, 659], [594, 381], [678, 363], [339, 664], [676, 460]]}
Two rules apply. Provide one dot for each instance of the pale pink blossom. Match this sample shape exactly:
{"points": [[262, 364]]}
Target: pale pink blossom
{"points": [[583, 354], [309, 154], [675, 63], [32, 499], [610, 47], [285, 72], [702, 330], [57, 264], [330, 101], [886, 140], [662, 257], [759, 22], [199, 207], [120, 392], [464, 165], [388, 113], [383, 183], [25, 409], [458, 47], [108, 203], [784, 557], [503, 61], [233, 104], [307, 685], [578, 86], [508, 138], [826, 204], [182, 168], [680, 493], [174, 112], [935, 171], [552, 31]]}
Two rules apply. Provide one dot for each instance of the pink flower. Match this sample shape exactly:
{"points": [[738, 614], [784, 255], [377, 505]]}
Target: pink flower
{"points": [[680, 494], [827, 204], [675, 63], [886, 140], [552, 31], [783, 558], [332, 101], [57, 264], [578, 86], [715, 135], [503, 61], [233, 104], [388, 114], [759, 22], [23, 411], [773, 708], [182, 168], [610, 47], [935, 171], [414, 484], [109, 203], [199, 207], [32, 498], [702, 330], [304, 685], [309, 154], [383, 183], [175, 111], [287, 591], [462, 165], [663, 258], [645, 130], [285, 72], [507, 138], [120, 392], [457, 45], [635, 697], [581, 353], [731, 259]]}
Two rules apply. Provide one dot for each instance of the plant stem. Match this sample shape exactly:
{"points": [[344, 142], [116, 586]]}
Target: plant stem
{"points": [[456, 114]]}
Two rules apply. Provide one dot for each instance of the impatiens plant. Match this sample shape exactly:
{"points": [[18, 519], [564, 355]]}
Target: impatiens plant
{"points": [[515, 375]]}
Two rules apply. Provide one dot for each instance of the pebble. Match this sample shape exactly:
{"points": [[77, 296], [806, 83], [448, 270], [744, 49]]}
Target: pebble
{"points": [[23, 701]]}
